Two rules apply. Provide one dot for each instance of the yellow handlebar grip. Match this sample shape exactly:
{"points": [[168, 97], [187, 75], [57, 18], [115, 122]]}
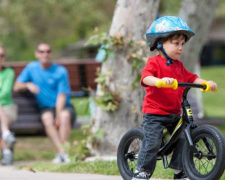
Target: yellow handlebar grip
{"points": [[160, 83], [208, 88]]}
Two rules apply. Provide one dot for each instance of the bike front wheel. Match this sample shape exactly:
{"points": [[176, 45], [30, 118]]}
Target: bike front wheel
{"points": [[127, 153], [206, 162]]}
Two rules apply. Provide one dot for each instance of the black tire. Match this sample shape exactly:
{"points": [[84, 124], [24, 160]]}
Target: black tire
{"points": [[128, 152], [205, 165]]}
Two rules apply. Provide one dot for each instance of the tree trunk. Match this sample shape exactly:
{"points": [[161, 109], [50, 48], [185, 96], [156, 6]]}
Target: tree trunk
{"points": [[199, 16], [131, 17]]}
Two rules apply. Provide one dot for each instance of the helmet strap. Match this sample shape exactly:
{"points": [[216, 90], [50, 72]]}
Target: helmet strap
{"points": [[160, 47]]}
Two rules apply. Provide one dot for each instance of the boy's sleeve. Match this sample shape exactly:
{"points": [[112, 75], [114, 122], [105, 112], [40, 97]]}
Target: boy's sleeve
{"points": [[149, 70], [190, 77], [24, 75], [64, 85]]}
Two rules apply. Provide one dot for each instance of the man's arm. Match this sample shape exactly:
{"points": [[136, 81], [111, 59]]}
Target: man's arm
{"points": [[24, 80], [60, 104], [63, 90], [19, 86]]}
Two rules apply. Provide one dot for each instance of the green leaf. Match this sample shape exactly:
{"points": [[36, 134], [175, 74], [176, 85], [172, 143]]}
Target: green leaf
{"points": [[100, 134], [107, 97], [136, 81]]}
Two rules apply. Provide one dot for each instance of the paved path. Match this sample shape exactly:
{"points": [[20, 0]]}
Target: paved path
{"points": [[11, 173]]}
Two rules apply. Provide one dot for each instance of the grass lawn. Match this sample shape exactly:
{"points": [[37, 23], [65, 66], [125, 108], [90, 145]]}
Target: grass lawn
{"points": [[214, 103], [82, 105], [27, 150], [41, 149]]}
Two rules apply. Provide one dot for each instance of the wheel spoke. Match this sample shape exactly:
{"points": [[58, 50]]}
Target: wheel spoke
{"points": [[134, 150], [205, 162]]}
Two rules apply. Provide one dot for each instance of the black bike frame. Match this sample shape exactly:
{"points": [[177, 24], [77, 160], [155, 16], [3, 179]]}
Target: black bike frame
{"points": [[186, 123]]}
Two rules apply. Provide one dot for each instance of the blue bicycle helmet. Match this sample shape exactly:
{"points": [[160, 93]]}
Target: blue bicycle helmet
{"points": [[166, 26]]}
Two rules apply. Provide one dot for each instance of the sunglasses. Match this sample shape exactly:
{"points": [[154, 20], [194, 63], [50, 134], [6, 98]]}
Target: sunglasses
{"points": [[42, 52], [2, 55]]}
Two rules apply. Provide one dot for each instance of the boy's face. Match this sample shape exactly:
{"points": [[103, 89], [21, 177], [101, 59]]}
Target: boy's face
{"points": [[174, 46]]}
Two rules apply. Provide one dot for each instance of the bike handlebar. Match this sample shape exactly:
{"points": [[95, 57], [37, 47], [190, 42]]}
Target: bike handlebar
{"points": [[204, 86], [161, 83]]}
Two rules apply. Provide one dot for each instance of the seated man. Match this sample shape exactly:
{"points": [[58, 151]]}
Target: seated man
{"points": [[8, 110], [50, 84]]}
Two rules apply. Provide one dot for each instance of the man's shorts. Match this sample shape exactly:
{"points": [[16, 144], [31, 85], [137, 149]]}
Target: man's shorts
{"points": [[11, 111], [69, 108]]}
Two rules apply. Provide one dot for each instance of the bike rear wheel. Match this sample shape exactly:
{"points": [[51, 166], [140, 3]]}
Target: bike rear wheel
{"points": [[127, 153], [207, 163]]}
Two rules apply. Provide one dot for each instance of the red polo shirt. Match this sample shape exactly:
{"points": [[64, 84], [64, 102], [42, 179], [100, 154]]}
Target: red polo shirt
{"points": [[164, 100]]}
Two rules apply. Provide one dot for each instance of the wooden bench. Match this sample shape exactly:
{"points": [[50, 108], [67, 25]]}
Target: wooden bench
{"points": [[81, 75]]}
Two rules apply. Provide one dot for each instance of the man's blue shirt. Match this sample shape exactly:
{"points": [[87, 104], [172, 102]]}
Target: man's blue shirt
{"points": [[51, 82]]}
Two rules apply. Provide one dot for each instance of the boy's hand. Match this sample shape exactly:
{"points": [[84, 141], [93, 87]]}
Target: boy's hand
{"points": [[167, 83], [213, 85], [168, 80]]}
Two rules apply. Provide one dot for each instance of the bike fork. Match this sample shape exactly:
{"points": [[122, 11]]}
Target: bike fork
{"points": [[165, 161], [189, 139], [208, 144]]}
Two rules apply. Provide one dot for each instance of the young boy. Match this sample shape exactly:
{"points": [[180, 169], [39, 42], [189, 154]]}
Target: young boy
{"points": [[162, 106]]}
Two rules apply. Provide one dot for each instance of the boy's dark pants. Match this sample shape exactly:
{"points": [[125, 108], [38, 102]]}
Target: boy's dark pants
{"points": [[153, 126]]}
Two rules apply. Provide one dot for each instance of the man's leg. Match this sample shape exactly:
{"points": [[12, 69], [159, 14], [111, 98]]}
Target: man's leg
{"points": [[66, 118], [65, 126], [8, 116], [7, 154], [48, 121], [5, 120]]}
